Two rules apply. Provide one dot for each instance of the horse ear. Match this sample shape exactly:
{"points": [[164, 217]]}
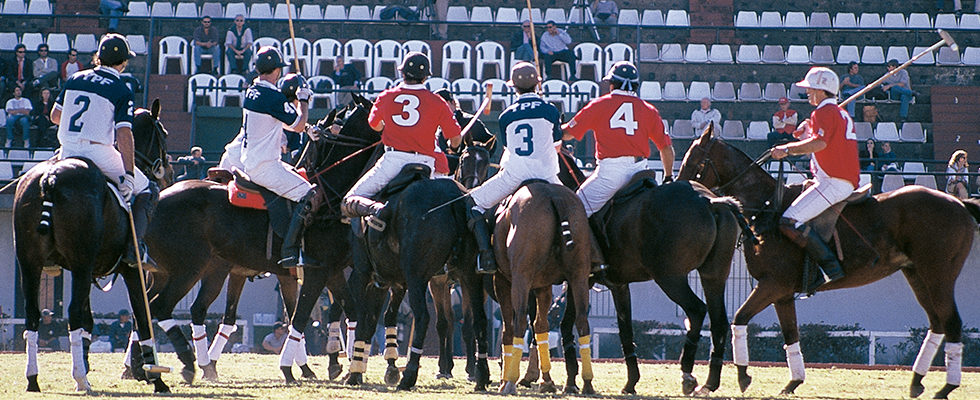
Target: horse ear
{"points": [[468, 139], [328, 120], [706, 136], [155, 109]]}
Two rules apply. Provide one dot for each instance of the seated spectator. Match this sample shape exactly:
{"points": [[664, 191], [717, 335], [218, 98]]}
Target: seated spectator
{"points": [[119, 331], [956, 170], [957, 7], [606, 12], [701, 117], [194, 165], [20, 71], [899, 86], [46, 72], [71, 65], [114, 9], [520, 43], [347, 78], [41, 118], [274, 341], [49, 331], [19, 116], [850, 84], [206, 41], [554, 47], [783, 124], [888, 157], [868, 156], [238, 46]]}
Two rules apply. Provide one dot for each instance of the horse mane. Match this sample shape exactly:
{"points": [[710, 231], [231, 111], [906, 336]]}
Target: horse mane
{"points": [[973, 206]]}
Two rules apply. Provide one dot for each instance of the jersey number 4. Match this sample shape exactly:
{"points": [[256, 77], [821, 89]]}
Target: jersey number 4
{"points": [[410, 107], [623, 118], [73, 124]]}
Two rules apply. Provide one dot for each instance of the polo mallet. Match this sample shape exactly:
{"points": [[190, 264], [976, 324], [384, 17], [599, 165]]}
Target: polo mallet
{"points": [[146, 301], [292, 37], [534, 43], [947, 40]]}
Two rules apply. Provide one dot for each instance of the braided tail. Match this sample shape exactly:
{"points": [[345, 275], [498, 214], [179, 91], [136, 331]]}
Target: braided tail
{"points": [[47, 205], [561, 211]]}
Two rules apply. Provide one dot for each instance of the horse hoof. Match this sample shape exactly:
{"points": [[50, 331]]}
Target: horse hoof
{"points": [[334, 371], [32, 385], [744, 380], [791, 387], [471, 378], [391, 375], [210, 371], [188, 374], [944, 392], [508, 387], [525, 383], [570, 388], [355, 378], [587, 388], [629, 390], [702, 391], [548, 387], [916, 390], [688, 384], [307, 372], [160, 387], [444, 376], [82, 385]]}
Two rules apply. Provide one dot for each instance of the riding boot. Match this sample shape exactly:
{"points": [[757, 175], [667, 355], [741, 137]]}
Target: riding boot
{"points": [[143, 206], [302, 216], [359, 206], [477, 222], [598, 261], [808, 239]]}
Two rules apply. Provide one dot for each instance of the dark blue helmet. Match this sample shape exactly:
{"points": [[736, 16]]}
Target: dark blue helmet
{"points": [[623, 75], [114, 49], [415, 66], [268, 59], [290, 83]]}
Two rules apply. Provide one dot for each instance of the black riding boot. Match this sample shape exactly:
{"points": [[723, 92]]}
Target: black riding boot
{"points": [[808, 239], [143, 206], [477, 222], [598, 261], [359, 206], [302, 214]]}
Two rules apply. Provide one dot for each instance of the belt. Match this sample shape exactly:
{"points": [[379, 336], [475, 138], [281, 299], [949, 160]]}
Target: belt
{"points": [[389, 149], [638, 159]]}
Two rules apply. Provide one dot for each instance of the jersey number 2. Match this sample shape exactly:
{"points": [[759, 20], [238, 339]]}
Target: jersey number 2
{"points": [[410, 106], [73, 124], [623, 118]]}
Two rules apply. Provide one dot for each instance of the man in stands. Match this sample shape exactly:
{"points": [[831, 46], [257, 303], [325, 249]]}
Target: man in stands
{"points": [[520, 43], [46, 71], [20, 71], [554, 47], [783, 124], [206, 41], [71, 65]]}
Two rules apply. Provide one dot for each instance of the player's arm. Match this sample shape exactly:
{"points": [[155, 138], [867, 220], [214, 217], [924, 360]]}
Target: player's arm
{"points": [[667, 157], [124, 142], [56, 115]]}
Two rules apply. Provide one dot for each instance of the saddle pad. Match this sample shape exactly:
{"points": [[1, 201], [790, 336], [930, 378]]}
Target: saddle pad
{"points": [[410, 173], [246, 198], [826, 222]]}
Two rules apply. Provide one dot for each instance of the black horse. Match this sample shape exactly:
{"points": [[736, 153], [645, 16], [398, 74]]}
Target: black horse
{"points": [[663, 232], [228, 238], [65, 215]]}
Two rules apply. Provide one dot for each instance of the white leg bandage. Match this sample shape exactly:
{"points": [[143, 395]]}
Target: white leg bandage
{"points": [[199, 337], [77, 358], [740, 344], [31, 338], [290, 348], [220, 340], [334, 338], [927, 352], [301, 352], [351, 329], [954, 363], [167, 324], [794, 358], [133, 337]]}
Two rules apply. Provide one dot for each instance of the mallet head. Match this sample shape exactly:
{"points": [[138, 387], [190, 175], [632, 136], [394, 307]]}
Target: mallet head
{"points": [[949, 40]]}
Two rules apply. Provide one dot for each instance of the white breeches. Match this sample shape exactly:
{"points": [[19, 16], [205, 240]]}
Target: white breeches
{"points": [[817, 198], [610, 175]]}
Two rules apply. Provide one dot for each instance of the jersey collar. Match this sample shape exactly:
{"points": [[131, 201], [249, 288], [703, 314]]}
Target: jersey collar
{"points": [[623, 92], [111, 71], [829, 100], [528, 95], [414, 86], [260, 82]]}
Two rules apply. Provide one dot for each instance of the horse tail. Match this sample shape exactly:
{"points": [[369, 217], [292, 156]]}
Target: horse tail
{"points": [[973, 206], [731, 204], [47, 182], [561, 211]]}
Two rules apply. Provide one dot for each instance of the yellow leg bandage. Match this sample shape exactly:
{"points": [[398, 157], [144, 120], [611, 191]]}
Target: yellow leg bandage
{"points": [[506, 355], [585, 352], [514, 367], [391, 343], [544, 356], [359, 360]]}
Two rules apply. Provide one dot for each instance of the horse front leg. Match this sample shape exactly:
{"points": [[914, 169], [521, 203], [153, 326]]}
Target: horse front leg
{"points": [[760, 298], [679, 291], [944, 322], [786, 313], [368, 308], [145, 354], [445, 323], [341, 300], [476, 316], [533, 371], [568, 343], [294, 350], [30, 284], [541, 330], [288, 289], [80, 288], [579, 290], [416, 299], [391, 334], [624, 318], [714, 293]]}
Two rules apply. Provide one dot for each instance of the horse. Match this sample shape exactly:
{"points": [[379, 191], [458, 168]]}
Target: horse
{"points": [[541, 238], [65, 215], [663, 232], [426, 229], [922, 232], [226, 236]]}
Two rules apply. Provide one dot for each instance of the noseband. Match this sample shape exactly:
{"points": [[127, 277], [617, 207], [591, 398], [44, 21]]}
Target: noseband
{"points": [[706, 162]]}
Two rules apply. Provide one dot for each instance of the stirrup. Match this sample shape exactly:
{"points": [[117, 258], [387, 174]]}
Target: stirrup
{"points": [[597, 268], [375, 223], [480, 269]]}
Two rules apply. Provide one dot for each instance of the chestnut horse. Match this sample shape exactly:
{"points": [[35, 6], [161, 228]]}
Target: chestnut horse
{"points": [[65, 215], [922, 232]]}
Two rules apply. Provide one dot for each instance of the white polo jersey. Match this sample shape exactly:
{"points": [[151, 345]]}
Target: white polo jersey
{"points": [[93, 105], [264, 114]]}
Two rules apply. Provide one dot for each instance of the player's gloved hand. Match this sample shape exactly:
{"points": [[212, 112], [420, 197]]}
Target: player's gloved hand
{"points": [[127, 186], [303, 94], [313, 132]]}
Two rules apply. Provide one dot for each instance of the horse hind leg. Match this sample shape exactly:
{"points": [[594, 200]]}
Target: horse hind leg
{"points": [[391, 335], [679, 291], [30, 284], [937, 300], [541, 337], [439, 287]]}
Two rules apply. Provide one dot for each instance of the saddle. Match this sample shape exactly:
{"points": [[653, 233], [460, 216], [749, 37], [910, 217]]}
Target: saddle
{"points": [[825, 223], [409, 174], [640, 182], [242, 192]]}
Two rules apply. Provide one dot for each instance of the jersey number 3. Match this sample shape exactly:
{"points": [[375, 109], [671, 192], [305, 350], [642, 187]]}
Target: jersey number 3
{"points": [[73, 124], [525, 130], [623, 118], [410, 106]]}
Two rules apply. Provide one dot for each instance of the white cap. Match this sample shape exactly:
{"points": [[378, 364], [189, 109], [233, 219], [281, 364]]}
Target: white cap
{"points": [[820, 78]]}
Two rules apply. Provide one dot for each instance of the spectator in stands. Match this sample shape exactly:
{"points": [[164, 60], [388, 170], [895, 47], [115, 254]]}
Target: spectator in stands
{"points": [[520, 43], [274, 341], [120, 330], [20, 71], [850, 84], [783, 124], [18, 116], [957, 170], [93, 61], [606, 12], [206, 41], [46, 71], [701, 117], [957, 7], [888, 157], [114, 9], [238, 46], [71, 65], [868, 156], [347, 78], [41, 117], [554, 47], [194, 165], [899, 85], [440, 9], [49, 331]]}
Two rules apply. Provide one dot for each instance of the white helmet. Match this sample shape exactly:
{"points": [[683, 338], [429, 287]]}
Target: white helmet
{"points": [[820, 78]]}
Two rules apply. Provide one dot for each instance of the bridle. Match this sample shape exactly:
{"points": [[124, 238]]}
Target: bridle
{"points": [[706, 162], [472, 177], [155, 167]]}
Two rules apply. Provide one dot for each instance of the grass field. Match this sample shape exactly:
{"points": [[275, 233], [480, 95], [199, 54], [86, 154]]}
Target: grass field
{"points": [[254, 376]]}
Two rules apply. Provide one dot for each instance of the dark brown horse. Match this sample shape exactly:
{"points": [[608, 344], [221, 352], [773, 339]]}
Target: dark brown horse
{"points": [[65, 215], [663, 233], [922, 232], [541, 238]]}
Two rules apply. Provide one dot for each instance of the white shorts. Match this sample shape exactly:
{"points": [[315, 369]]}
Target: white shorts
{"points": [[107, 158], [818, 197], [387, 167], [610, 175], [280, 178], [501, 185]]}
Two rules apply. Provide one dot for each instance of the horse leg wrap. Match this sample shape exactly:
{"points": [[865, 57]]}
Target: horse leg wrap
{"points": [[220, 340], [927, 352], [585, 352], [544, 355], [199, 335], [794, 358], [333, 338], [181, 346], [30, 337], [507, 354], [77, 360], [134, 339], [358, 357], [391, 343], [351, 330], [514, 367], [954, 363], [740, 344], [300, 355], [292, 346]]}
